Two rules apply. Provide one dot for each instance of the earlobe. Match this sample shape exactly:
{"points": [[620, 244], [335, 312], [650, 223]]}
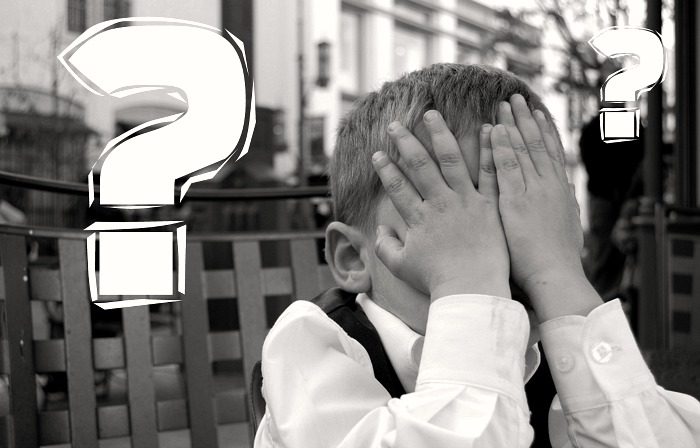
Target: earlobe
{"points": [[347, 257]]}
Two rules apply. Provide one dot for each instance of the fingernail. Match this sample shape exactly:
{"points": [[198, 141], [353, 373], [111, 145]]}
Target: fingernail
{"points": [[505, 105], [377, 156], [431, 115], [486, 128], [394, 126], [538, 113]]}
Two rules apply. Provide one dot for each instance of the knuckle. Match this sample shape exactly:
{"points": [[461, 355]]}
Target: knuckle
{"points": [[395, 185], [419, 162], [537, 146], [510, 165], [519, 147], [488, 168], [450, 159]]}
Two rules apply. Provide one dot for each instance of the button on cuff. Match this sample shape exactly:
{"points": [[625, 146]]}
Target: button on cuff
{"points": [[564, 361], [602, 352]]}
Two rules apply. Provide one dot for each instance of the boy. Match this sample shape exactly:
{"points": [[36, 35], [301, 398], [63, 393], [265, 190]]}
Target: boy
{"points": [[433, 282]]}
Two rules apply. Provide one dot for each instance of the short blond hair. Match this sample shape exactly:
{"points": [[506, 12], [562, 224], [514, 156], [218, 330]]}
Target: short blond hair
{"points": [[467, 96]]}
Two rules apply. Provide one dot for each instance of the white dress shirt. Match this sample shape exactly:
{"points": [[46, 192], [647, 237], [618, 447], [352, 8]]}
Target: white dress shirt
{"points": [[465, 381]]}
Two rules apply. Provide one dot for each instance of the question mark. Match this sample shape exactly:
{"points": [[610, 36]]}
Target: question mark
{"points": [[619, 123], [196, 64]]}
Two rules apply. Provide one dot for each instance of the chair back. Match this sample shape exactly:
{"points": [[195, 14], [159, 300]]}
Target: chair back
{"points": [[181, 366]]}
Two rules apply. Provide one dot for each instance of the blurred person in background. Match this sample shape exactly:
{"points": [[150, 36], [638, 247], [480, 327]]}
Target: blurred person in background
{"points": [[614, 186]]}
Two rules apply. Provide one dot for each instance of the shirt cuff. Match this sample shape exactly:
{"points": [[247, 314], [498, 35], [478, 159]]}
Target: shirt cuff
{"points": [[476, 340], [594, 360]]}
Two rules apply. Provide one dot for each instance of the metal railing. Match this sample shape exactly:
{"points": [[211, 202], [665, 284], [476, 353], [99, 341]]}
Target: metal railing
{"points": [[194, 194]]}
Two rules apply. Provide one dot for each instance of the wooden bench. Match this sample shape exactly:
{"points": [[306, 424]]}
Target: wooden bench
{"points": [[136, 351]]}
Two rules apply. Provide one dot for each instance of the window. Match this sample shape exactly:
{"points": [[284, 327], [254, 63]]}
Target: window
{"points": [[351, 52], [116, 9], [410, 49], [76, 16], [412, 12]]}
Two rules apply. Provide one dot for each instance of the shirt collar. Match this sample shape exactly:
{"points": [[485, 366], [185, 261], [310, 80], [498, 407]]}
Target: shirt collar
{"points": [[404, 346]]}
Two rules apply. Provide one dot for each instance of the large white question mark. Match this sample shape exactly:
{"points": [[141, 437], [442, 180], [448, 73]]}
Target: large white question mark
{"points": [[196, 64], [617, 121]]}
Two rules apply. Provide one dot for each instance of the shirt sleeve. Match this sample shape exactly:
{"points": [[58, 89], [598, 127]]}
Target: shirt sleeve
{"points": [[606, 394], [321, 392]]}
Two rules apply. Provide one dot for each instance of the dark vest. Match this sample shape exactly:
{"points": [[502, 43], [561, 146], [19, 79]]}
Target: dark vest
{"points": [[340, 306]]}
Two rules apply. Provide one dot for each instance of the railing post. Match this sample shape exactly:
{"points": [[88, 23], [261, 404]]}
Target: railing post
{"points": [[203, 428], [18, 321], [78, 338]]}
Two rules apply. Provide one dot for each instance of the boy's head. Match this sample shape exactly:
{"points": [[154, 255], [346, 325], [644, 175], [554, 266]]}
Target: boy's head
{"points": [[467, 97]]}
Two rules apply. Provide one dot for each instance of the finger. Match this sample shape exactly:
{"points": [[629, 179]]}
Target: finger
{"points": [[508, 172], [421, 168], [447, 152], [532, 136], [388, 248], [488, 183], [505, 117], [402, 194], [552, 144]]}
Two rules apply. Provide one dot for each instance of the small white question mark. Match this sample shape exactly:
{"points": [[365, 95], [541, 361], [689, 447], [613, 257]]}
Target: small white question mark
{"points": [[196, 64], [617, 121]]}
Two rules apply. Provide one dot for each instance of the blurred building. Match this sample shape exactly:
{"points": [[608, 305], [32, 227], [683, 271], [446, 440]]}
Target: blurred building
{"points": [[51, 127], [373, 41], [318, 56]]}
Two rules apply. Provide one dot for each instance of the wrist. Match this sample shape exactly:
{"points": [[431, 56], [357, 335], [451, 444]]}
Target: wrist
{"points": [[562, 292], [489, 284]]}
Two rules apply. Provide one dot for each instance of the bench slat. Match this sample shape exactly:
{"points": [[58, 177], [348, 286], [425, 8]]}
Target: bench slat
{"points": [[18, 324], [108, 353], [78, 339], [225, 345], [54, 427], [251, 303], [141, 393], [114, 421], [221, 283], [166, 350], [218, 283], [50, 356], [277, 281], [231, 406], [325, 278], [196, 353], [172, 415], [305, 269], [45, 284]]}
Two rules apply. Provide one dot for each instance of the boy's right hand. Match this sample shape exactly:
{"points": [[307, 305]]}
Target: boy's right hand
{"points": [[454, 242]]}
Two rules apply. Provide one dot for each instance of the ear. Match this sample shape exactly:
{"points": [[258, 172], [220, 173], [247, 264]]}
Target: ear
{"points": [[346, 254]]}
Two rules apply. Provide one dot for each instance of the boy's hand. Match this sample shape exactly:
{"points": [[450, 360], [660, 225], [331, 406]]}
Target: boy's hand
{"points": [[454, 242], [539, 212]]}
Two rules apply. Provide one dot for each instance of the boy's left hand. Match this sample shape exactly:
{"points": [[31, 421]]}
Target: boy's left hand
{"points": [[539, 212]]}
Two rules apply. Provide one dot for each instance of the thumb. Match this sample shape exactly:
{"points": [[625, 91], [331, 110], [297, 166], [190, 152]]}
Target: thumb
{"points": [[388, 248]]}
